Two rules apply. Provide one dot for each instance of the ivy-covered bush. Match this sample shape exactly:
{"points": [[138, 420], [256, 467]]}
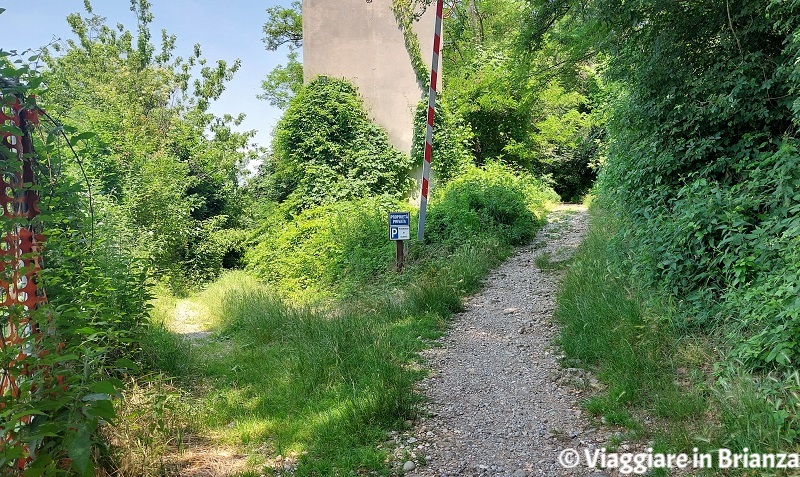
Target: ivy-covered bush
{"points": [[705, 164], [490, 200], [326, 149]]}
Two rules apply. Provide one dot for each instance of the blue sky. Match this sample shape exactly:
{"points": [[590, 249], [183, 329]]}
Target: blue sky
{"points": [[226, 30]]}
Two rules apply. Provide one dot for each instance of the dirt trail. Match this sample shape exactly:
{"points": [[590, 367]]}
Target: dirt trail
{"points": [[499, 401], [190, 320]]}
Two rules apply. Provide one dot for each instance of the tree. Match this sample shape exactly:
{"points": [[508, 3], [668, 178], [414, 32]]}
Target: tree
{"points": [[68, 344], [283, 82], [283, 27], [161, 159], [507, 93], [704, 163]]}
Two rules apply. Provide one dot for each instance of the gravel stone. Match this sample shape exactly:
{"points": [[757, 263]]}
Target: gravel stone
{"points": [[498, 402]]}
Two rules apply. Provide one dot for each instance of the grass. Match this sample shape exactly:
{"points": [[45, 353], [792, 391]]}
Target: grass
{"points": [[321, 384], [547, 262], [666, 386], [317, 362], [605, 324], [608, 326], [156, 418]]}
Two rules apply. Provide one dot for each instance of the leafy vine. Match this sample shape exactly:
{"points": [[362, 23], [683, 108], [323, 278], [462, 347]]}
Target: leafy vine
{"points": [[404, 13]]}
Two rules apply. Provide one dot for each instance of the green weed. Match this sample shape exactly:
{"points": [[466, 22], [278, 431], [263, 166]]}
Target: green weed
{"points": [[324, 384], [545, 261], [607, 326], [687, 385]]}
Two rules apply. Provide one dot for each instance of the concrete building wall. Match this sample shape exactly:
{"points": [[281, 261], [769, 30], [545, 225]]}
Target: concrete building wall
{"points": [[361, 41]]}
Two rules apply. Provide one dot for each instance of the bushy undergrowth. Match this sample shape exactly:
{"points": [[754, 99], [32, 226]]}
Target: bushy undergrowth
{"points": [[62, 359], [342, 247], [704, 169], [702, 179], [607, 325], [326, 149], [452, 139], [653, 364], [491, 200], [324, 381], [338, 246]]}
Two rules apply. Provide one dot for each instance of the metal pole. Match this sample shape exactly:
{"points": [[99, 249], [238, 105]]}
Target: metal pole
{"points": [[426, 164]]}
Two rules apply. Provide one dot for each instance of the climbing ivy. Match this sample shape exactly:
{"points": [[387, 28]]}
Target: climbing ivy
{"points": [[326, 149], [405, 17]]}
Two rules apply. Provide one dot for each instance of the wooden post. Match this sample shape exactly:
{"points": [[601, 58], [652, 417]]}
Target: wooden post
{"points": [[398, 255]]}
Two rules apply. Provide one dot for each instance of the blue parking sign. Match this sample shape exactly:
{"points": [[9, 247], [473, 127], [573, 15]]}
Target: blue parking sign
{"points": [[399, 226]]}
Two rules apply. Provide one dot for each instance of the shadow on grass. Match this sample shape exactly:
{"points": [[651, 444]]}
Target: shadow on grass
{"points": [[325, 386]]}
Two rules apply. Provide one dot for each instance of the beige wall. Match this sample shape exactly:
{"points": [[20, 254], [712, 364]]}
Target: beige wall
{"points": [[361, 42]]}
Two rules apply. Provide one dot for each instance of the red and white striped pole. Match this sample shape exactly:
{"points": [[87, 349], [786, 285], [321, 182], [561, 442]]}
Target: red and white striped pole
{"points": [[426, 164]]}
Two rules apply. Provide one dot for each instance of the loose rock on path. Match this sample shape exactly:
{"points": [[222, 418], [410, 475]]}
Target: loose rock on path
{"points": [[499, 401]]}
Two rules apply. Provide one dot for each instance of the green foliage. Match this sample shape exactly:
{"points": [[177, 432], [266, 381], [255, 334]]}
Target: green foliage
{"points": [[613, 327], [158, 155], [629, 337], [338, 246], [283, 82], [88, 330], [406, 12], [328, 380], [284, 27], [451, 142], [326, 149], [704, 165], [213, 248], [156, 203], [489, 100], [492, 200], [539, 109], [770, 404], [567, 136], [702, 173]]}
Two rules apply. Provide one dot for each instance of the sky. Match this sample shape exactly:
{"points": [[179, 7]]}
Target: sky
{"points": [[226, 30]]}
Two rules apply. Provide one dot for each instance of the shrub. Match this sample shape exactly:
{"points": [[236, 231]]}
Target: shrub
{"points": [[489, 200], [704, 166], [451, 142], [326, 149], [326, 247], [65, 366], [212, 248]]}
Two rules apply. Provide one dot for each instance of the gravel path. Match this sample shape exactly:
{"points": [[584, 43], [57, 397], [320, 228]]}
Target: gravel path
{"points": [[499, 402]]}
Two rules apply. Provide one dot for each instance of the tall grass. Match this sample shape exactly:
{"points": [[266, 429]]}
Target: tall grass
{"points": [[665, 384], [317, 358], [326, 384], [607, 326]]}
